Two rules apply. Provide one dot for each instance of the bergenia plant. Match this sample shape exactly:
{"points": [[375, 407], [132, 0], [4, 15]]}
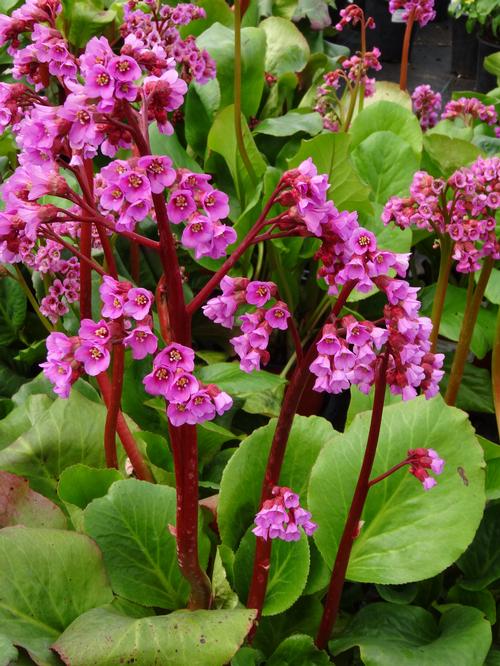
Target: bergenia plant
{"points": [[104, 189]]}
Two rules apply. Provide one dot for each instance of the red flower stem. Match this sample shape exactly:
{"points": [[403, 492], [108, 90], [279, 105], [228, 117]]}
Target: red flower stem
{"points": [[183, 439], [85, 269], [202, 295], [113, 405], [337, 580], [185, 453], [383, 476], [403, 77], [441, 287], [258, 585], [296, 340], [495, 372], [162, 308], [127, 439], [108, 253], [473, 304]]}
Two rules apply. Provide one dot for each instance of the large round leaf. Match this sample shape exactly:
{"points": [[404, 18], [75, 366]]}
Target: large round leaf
{"points": [[104, 637], [299, 650], [68, 432], [386, 162], [242, 479], [387, 116], [408, 636], [287, 49], [408, 534], [218, 40], [47, 579], [131, 526], [287, 573]]}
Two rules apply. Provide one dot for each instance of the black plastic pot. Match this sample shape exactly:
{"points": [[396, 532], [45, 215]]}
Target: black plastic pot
{"points": [[484, 80], [388, 34], [464, 49]]}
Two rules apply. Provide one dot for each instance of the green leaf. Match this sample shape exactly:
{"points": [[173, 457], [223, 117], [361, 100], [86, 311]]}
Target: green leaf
{"points": [[12, 310], [218, 40], [80, 484], [452, 318], [290, 124], [394, 545], [287, 572], [130, 524], [481, 599], [408, 636], [449, 154], [242, 479], [386, 162], [216, 11], [398, 594], [22, 418], [48, 578], [19, 505], [222, 140], [287, 49], [492, 64], [8, 653], [161, 144], [86, 22], [104, 637], [229, 377], [492, 457], [388, 91], [474, 393], [387, 116], [69, 432], [492, 292], [493, 658], [330, 154], [298, 650], [480, 563]]}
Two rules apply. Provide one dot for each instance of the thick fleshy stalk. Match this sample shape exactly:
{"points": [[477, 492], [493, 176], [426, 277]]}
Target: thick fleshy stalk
{"points": [[469, 321], [185, 452], [337, 580], [260, 575], [141, 470], [237, 94], [495, 372], [118, 367], [441, 287], [183, 439], [403, 77]]}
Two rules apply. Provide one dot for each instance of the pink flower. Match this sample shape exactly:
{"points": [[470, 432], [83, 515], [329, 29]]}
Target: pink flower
{"points": [[281, 517], [176, 357], [141, 341], [277, 316], [138, 303], [258, 293], [159, 171], [215, 204], [124, 68], [180, 206], [135, 186], [94, 332], [94, 356], [157, 381]]}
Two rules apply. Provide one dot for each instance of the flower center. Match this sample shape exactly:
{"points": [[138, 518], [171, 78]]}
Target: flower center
{"points": [[196, 227], [210, 200], [101, 332], [262, 291], [363, 241], [181, 383], [156, 167], [181, 201], [175, 355], [140, 335], [141, 300], [135, 180], [102, 79], [95, 353], [161, 374], [123, 66], [83, 117]]}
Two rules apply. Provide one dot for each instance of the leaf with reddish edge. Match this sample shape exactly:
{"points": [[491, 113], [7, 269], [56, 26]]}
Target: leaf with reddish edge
{"points": [[19, 505], [103, 637]]}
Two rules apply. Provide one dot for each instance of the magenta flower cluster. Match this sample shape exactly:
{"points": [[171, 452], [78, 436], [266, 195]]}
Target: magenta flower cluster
{"points": [[421, 460], [69, 357], [349, 350], [281, 517], [190, 401], [353, 14], [426, 105], [422, 10], [354, 71], [348, 251], [463, 207], [256, 324], [153, 37], [470, 109]]}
